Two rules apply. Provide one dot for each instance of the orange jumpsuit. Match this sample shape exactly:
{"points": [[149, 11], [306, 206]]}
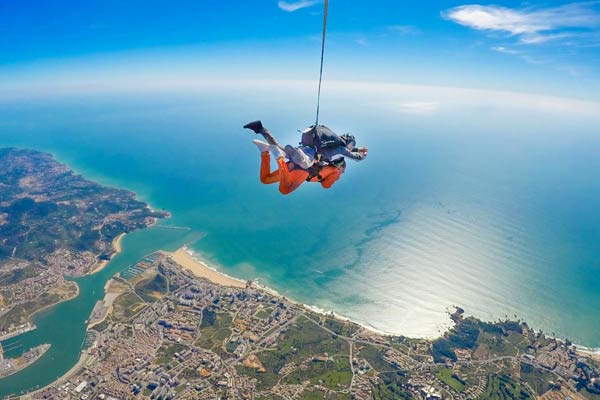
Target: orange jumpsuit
{"points": [[291, 180]]}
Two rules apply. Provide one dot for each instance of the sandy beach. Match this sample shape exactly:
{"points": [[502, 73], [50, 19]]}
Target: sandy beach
{"points": [[593, 354], [117, 243], [198, 268], [117, 246], [183, 257]]}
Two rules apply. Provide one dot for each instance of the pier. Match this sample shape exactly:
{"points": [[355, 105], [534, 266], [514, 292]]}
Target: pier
{"points": [[21, 329], [177, 228]]}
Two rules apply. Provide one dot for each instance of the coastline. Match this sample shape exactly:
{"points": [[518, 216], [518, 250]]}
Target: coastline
{"points": [[30, 318], [117, 247], [26, 362], [185, 258], [589, 352], [107, 302]]}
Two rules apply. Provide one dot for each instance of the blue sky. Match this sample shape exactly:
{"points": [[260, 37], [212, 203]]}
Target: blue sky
{"points": [[544, 47]]}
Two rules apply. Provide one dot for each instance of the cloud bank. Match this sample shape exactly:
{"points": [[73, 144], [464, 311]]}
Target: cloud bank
{"points": [[417, 100], [419, 107]]}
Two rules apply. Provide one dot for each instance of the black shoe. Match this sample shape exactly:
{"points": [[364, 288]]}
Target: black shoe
{"points": [[256, 126]]}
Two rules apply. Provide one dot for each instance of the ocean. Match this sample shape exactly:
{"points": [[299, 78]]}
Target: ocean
{"points": [[485, 200]]}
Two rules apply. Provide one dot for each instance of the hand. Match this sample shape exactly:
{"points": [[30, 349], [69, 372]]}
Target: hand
{"points": [[363, 150]]}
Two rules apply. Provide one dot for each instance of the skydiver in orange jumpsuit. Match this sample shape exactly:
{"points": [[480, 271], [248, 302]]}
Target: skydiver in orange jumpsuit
{"points": [[289, 175]]}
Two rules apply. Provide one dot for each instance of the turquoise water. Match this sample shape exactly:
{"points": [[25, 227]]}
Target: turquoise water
{"points": [[493, 207]]}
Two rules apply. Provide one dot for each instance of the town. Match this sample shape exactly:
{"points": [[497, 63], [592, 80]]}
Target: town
{"points": [[168, 334]]}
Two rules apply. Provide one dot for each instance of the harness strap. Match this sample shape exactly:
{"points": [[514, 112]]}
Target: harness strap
{"points": [[315, 171]]}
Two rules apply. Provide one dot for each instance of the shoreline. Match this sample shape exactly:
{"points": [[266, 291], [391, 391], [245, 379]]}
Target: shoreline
{"points": [[40, 350], [83, 358], [185, 258], [107, 300], [593, 353], [203, 270], [117, 248], [30, 318]]}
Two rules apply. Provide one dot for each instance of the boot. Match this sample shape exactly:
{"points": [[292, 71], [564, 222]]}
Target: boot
{"points": [[262, 146], [256, 126]]}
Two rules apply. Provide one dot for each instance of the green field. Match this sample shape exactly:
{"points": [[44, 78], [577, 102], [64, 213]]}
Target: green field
{"points": [[298, 345], [497, 345], [446, 376], [502, 387], [390, 387], [167, 351], [331, 374], [537, 378], [214, 329], [374, 355], [340, 327], [152, 289], [15, 276], [264, 313], [127, 305]]}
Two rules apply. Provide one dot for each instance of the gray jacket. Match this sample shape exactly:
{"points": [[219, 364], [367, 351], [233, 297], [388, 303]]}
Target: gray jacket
{"points": [[334, 153]]}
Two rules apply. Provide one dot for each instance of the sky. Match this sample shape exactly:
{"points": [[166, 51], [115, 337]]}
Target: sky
{"points": [[550, 48]]}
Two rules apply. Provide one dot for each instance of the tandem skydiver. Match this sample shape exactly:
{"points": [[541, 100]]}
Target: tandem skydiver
{"points": [[320, 158]]}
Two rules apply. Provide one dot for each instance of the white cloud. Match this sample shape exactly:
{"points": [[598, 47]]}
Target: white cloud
{"points": [[504, 50], [419, 107], [291, 6], [518, 53], [538, 39], [531, 26]]}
